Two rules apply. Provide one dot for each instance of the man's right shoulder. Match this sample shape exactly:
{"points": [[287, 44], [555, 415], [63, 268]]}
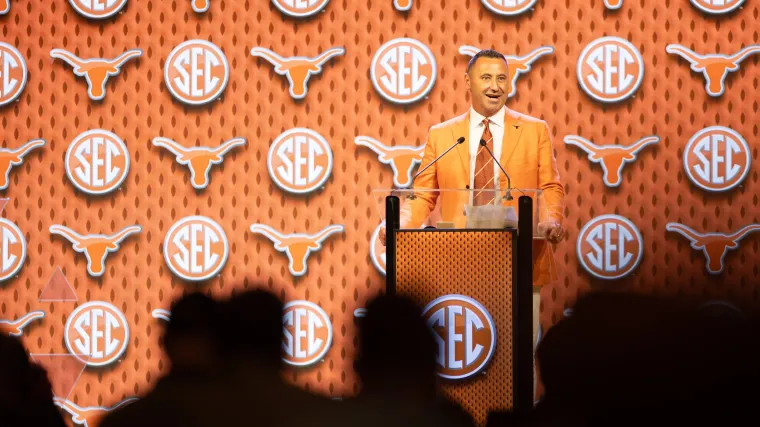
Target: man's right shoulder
{"points": [[449, 123]]}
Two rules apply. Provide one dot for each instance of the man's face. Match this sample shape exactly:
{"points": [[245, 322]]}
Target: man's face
{"points": [[488, 81]]}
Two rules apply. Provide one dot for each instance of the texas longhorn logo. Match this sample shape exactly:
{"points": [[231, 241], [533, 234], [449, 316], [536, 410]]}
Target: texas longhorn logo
{"points": [[717, 159], [300, 160], [298, 69], [14, 157], [12, 249], [508, 7], [402, 5], [89, 416], [12, 73], [714, 67], [199, 159], [297, 246], [401, 158], [5, 6], [516, 65], [96, 333], [610, 69], [96, 70], [609, 247], [161, 314], [300, 8], [16, 327], [713, 245], [403, 71], [97, 162], [196, 248], [464, 333], [98, 9], [307, 333], [196, 72], [717, 7], [95, 247], [611, 157]]}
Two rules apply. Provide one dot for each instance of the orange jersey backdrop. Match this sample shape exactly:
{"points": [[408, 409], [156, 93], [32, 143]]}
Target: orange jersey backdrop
{"points": [[339, 102]]}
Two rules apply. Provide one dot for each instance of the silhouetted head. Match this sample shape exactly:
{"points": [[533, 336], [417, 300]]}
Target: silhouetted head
{"points": [[253, 328], [14, 370], [190, 337], [397, 347]]}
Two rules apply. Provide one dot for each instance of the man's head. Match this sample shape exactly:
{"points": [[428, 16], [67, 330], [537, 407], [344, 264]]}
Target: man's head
{"points": [[190, 336], [253, 329], [487, 79]]}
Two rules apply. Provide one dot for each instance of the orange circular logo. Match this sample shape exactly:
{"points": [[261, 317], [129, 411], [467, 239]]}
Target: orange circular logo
{"points": [[98, 9], [97, 333], [717, 7], [196, 248], [12, 249], [300, 8], [717, 159], [610, 69], [465, 335], [377, 249], [12, 73], [97, 162], [403, 71], [610, 247], [196, 72], [308, 333], [508, 7], [300, 161]]}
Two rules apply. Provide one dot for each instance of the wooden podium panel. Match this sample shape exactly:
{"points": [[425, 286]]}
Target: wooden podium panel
{"points": [[431, 264]]}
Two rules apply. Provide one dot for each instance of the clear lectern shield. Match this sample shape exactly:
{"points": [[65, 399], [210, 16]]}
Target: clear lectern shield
{"points": [[454, 208]]}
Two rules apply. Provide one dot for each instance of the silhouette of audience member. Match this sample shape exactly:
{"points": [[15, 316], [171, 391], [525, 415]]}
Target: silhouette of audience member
{"points": [[26, 396], [192, 347], [252, 340], [398, 371], [626, 359]]}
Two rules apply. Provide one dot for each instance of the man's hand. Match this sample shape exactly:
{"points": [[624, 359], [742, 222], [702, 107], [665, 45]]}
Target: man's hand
{"points": [[552, 231], [381, 235]]}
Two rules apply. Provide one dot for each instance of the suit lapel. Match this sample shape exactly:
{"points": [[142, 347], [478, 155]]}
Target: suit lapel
{"points": [[462, 128], [513, 127]]}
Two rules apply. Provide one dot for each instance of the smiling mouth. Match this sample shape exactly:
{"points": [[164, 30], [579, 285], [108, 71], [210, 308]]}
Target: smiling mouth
{"points": [[493, 96]]}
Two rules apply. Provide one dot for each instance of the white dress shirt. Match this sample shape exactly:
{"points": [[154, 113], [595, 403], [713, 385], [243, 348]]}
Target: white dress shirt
{"points": [[496, 124]]}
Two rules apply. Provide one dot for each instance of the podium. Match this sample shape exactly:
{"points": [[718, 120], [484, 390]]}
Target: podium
{"points": [[471, 268]]}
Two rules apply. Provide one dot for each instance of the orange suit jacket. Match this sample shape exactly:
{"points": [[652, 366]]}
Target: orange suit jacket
{"points": [[528, 157]]}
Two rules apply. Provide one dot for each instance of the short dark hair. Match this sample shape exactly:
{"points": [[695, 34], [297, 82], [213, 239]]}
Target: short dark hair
{"points": [[487, 53]]}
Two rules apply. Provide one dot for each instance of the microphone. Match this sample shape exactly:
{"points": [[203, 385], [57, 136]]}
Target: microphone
{"points": [[508, 195], [458, 141]]}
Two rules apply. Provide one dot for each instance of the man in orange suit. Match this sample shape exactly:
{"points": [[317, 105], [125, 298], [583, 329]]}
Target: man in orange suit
{"points": [[520, 142]]}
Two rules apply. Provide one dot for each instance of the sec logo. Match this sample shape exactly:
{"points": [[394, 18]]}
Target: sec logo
{"points": [[610, 69], [97, 162], [308, 333], [96, 333], [12, 73], [300, 161], [465, 335], [300, 8], [196, 72], [12, 249], [97, 9], [403, 71], [508, 7], [377, 249], [196, 248], [609, 247], [717, 159], [717, 7]]}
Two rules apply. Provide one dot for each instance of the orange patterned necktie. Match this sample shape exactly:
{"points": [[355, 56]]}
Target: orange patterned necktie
{"points": [[484, 174]]}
